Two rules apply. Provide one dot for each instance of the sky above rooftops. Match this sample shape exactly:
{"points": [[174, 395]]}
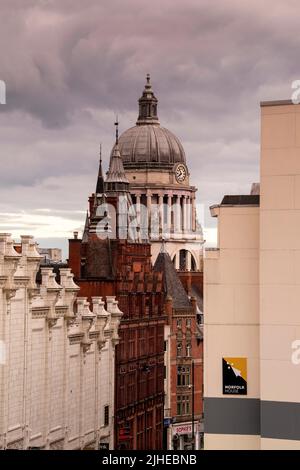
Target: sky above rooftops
{"points": [[71, 66]]}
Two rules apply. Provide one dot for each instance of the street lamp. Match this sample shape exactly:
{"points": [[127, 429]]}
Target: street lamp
{"points": [[192, 386], [193, 404]]}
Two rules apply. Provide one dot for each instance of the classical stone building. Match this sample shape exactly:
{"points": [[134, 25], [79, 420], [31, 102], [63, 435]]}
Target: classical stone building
{"points": [[183, 361], [155, 166], [111, 259], [146, 200], [56, 356], [252, 301]]}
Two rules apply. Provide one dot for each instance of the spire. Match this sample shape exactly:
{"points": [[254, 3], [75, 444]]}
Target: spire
{"points": [[148, 105], [85, 235], [100, 180], [117, 130], [116, 172], [163, 246]]}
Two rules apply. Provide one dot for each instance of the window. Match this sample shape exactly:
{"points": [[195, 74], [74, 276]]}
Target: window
{"points": [[147, 306], [121, 397], [106, 415], [149, 433], [183, 405], [131, 385], [165, 346], [158, 430], [142, 385], [179, 349], [121, 351], [179, 323], [142, 341], [140, 432], [188, 349], [151, 382], [151, 339], [193, 263], [188, 323], [183, 376], [183, 260], [131, 344]]}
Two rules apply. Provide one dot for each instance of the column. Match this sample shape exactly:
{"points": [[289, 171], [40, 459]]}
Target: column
{"points": [[155, 217], [149, 197], [193, 213], [161, 213], [188, 261], [184, 213], [177, 216], [169, 216], [138, 208], [177, 260], [138, 215], [189, 213]]}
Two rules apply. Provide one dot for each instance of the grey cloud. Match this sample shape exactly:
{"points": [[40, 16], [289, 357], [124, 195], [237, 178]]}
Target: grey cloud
{"points": [[71, 65]]}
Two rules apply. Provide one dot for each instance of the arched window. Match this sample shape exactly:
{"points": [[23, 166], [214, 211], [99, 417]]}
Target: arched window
{"points": [[186, 261], [183, 260], [193, 264]]}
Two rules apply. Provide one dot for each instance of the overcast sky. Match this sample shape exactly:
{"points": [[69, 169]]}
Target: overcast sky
{"points": [[70, 65]]}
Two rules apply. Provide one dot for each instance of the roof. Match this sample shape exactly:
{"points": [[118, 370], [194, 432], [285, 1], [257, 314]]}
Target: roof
{"points": [[195, 291], [148, 145], [172, 284], [116, 173], [85, 235], [241, 200], [276, 103], [100, 180], [98, 259]]}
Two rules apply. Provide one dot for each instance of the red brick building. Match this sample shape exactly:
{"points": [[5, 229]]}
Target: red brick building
{"points": [[183, 356], [107, 261]]}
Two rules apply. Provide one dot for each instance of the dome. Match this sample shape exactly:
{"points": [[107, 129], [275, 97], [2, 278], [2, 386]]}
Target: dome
{"points": [[150, 145]]}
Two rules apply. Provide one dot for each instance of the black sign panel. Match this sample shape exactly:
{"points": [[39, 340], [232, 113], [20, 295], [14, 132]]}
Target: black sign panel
{"points": [[234, 375]]}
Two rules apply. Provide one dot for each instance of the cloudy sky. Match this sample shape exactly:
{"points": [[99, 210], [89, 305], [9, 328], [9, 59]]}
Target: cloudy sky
{"points": [[70, 65]]}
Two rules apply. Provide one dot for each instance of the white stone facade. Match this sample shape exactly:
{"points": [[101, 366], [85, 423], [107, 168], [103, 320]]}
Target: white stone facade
{"points": [[56, 366]]}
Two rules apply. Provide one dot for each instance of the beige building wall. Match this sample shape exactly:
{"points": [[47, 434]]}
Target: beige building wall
{"points": [[231, 306], [280, 274], [56, 367], [252, 299]]}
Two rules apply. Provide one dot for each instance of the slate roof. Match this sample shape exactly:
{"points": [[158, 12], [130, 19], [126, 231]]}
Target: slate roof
{"points": [[195, 292], [116, 172], [171, 281], [241, 200]]}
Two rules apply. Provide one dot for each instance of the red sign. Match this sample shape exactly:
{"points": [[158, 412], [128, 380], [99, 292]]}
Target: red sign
{"points": [[183, 429]]}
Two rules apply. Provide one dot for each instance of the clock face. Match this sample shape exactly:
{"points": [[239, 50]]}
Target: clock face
{"points": [[180, 173]]}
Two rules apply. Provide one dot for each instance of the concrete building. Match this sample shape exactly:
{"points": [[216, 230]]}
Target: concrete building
{"points": [[56, 356], [252, 301], [50, 255]]}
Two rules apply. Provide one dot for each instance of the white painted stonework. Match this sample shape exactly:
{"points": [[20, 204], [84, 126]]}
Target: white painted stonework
{"points": [[56, 366]]}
